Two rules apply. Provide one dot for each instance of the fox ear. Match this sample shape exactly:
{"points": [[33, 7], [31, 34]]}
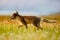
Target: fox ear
{"points": [[15, 12]]}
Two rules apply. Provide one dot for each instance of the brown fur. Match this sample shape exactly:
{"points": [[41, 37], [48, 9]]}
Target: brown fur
{"points": [[31, 20], [27, 20]]}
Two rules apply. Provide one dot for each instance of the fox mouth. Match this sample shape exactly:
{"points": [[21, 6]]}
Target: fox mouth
{"points": [[12, 18]]}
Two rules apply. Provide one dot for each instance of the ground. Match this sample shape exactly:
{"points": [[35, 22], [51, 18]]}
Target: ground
{"points": [[9, 30]]}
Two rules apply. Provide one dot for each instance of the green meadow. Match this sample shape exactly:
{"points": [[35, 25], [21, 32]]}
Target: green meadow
{"points": [[9, 30]]}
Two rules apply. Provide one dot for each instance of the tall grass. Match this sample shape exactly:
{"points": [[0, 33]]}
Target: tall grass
{"points": [[11, 32]]}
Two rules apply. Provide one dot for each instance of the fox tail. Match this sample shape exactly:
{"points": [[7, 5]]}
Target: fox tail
{"points": [[48, 21]]}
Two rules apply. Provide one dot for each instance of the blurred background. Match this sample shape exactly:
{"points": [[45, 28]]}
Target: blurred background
{"points": [[30, 7], [49, 9]]}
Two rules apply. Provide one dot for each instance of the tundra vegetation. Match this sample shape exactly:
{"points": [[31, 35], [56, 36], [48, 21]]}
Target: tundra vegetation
{"points": [[9, 30]]}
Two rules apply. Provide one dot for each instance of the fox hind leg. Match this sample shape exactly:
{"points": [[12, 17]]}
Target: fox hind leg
{"points": [[37, 24]]}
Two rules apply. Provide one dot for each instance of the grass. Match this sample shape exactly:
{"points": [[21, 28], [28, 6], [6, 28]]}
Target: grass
{"points": [[9, 31]]}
